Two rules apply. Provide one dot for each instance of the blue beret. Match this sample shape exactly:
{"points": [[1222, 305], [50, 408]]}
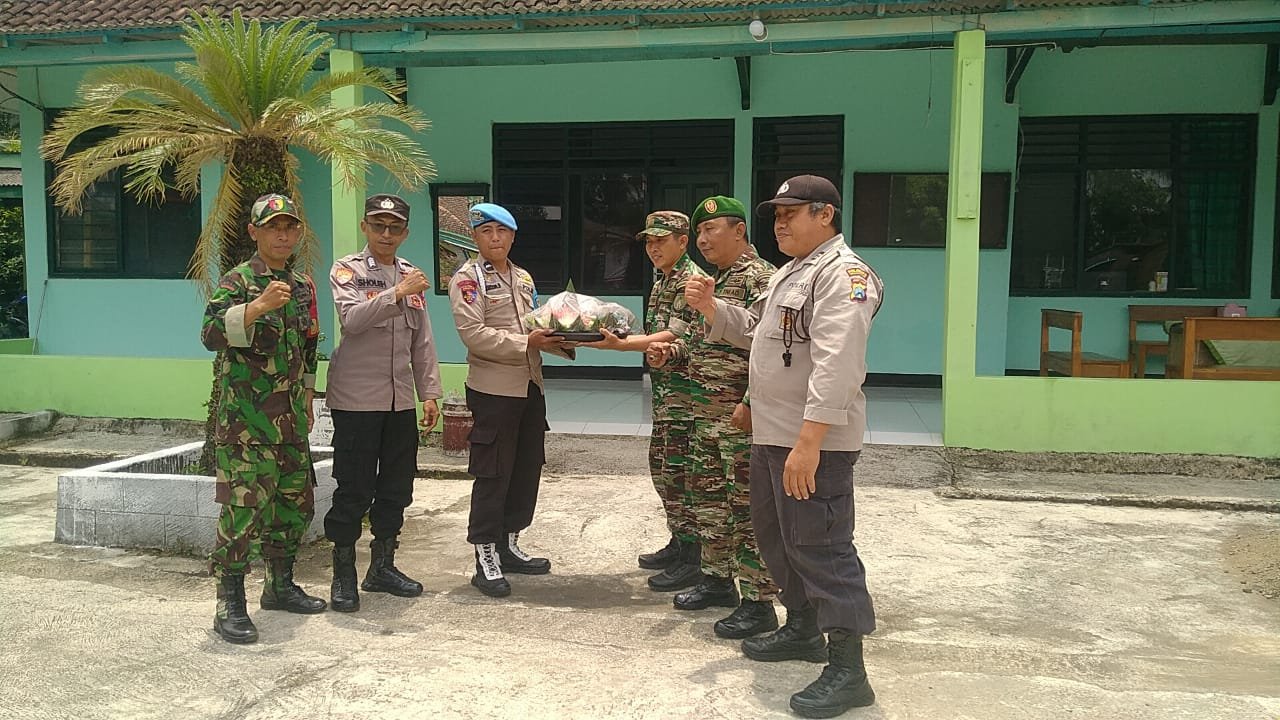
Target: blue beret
{"points": [[488, 212]]}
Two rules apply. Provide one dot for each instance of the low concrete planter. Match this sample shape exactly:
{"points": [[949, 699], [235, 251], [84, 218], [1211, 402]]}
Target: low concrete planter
{"points": [[145, 502]]}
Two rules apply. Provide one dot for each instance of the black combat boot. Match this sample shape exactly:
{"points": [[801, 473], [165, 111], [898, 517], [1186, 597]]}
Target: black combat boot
{"points": [[685, 573], [383, 575], [843, 683], [751, 618], [514, 560], [279, 592], [718, 591], [343, 595], [661, 559], [798, 639], [488, 578], [231, 619]]}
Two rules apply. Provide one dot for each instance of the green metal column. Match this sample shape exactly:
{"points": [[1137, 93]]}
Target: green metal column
{"points": [[960, 315], [347, 202]]}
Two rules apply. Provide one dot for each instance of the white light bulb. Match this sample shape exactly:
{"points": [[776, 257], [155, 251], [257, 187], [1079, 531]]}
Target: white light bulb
{"points": [[758, 30]]}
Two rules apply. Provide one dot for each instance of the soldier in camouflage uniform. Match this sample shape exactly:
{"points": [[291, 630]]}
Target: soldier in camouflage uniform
{"points": [[666, 238], [719, 494], [262, 319]]}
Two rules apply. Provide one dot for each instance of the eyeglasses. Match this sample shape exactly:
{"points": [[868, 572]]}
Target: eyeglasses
{"points": [[382, 229]]}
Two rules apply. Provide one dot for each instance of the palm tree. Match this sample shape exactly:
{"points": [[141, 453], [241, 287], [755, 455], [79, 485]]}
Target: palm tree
{"points": [[249, 99]]}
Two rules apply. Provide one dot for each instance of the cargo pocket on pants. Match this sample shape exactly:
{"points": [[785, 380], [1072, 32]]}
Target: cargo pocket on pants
{"points": [[483, 458], [822, 520]]}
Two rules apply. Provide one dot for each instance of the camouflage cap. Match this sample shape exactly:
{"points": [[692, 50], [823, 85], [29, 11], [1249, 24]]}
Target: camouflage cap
{"points": [[718, 206], [663, 223], [272, 205]]}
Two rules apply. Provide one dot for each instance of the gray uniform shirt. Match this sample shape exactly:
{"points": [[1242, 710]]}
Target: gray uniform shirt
{"points": [[488, 308], [818, 309], [386, 350]]}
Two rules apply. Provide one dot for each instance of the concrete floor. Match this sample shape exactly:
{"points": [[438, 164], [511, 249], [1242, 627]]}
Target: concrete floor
{"points": [[987, 610]]}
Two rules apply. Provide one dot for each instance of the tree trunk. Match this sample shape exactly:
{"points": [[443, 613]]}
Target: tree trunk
{"points": [[261, 169]]}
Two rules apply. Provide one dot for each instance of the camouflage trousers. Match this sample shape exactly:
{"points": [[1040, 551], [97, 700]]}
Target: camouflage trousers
{"points": [[267, 504], [669, 467], [719, 500]]}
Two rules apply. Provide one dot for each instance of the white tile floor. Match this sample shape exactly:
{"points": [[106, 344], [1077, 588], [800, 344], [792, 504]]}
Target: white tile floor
{"points": [[895, 416]]}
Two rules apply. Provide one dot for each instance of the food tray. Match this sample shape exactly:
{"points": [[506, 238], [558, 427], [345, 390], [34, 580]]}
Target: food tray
{"points": [[583, 336]]}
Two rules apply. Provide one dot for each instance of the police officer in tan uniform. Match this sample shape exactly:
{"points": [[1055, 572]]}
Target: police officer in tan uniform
{"points": [[808, 339], [490, 295], [386, 354]]}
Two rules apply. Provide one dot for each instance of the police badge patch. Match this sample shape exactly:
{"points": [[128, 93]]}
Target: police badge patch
{"points": [[470, 291], [343, 275], [416, 302]]}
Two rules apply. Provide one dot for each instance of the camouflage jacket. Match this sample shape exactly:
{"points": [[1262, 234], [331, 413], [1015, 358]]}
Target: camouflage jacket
{"points": [[718, 372], [267, 366], [672, 398]]}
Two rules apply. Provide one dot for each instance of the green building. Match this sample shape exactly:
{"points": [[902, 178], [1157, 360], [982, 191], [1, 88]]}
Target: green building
{"points": [[1102, 154]]}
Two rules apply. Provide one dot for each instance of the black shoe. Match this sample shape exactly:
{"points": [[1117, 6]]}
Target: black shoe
{"points": [[843, 684], [720, 592], [751, 618], [231, 619], [661, 559], [488, 578], [279, 592], [676, 577], [685, 573], [798, 639], [343, 595], [383, 575], [514, 560]]}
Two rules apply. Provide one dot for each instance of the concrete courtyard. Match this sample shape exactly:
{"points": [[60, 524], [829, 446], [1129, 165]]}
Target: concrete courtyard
{"points": [[988, 610]]}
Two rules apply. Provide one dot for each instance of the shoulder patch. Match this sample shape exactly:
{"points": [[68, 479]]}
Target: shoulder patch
{"points": [[470, 290], [343, 274]]}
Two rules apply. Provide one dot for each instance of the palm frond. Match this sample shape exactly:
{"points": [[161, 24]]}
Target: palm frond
{"points": [[211, 247], [186, 177], [103, 87], [318, 94]]}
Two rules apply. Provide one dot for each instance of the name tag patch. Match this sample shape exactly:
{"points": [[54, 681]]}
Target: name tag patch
{"points": [[371, 283]]}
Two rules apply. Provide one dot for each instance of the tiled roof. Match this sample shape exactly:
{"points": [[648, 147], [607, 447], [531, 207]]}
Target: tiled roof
{"points": [[10, 178], [36, 17]]}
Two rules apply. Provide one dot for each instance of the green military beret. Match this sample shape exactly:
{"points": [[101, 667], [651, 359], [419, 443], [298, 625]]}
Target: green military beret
{"points": [[718, 206]]}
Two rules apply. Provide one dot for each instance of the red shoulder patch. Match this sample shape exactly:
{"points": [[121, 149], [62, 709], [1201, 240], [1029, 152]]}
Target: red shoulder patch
{"points": [[470, 290]]}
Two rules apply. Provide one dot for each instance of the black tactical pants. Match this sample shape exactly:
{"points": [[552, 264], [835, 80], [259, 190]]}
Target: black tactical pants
{"points": [[375, 458], [507, 455], [808, 544]]}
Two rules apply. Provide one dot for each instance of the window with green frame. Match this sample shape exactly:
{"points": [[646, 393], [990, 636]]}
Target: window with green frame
{"points": [[115, 235], [1134, 206]]}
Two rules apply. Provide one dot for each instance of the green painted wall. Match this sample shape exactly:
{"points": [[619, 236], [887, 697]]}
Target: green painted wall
{"points": [[1093, 415], [17, 346], [895, 104], [1119, 81], [895, 107], [125, 386]]}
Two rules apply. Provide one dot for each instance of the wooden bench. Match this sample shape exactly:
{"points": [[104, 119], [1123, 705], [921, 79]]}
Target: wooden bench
{"points": [[1074, 362], [1140, 350], [1186, 361]]}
